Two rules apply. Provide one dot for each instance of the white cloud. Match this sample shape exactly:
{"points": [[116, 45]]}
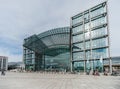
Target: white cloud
{"points": [[22, 18]]}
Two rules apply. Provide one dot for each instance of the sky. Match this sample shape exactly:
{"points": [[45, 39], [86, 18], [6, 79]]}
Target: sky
{"points": [[20, 19]]}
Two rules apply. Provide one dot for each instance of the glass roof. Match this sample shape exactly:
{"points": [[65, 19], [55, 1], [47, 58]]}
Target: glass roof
{"points": [[49, 40]]}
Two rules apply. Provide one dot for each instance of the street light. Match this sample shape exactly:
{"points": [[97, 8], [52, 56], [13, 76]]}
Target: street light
{"points": [[101, 60]]}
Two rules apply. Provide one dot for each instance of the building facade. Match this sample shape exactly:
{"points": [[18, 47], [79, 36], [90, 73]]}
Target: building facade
{"points": [[81, 47], [115, 63], [3, 63], [90, 38], [48, 50]]}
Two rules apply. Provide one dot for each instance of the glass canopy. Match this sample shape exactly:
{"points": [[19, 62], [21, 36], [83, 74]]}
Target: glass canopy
{"points": [[48, 41]]}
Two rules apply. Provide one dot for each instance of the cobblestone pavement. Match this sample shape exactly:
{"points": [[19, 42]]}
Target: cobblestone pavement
{"points": [[57, 81]]}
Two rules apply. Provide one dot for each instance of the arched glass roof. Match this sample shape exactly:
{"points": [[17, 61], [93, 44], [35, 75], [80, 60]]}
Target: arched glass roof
{"points": [[49, 40]]}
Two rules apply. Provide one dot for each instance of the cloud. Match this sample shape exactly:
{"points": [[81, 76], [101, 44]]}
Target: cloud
{"points": [[21, 18]]}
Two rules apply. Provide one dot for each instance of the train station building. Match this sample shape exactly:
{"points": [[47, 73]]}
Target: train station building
{"points": [[82, 46]]}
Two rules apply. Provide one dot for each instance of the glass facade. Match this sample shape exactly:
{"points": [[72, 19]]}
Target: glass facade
{"points": [[3, 63], [89, 31], [49, 50], [79, 48], [29, 58], [59, 62]]}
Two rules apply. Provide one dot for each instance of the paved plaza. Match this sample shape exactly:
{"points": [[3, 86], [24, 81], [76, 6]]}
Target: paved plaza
{"points": [[57, 81]]}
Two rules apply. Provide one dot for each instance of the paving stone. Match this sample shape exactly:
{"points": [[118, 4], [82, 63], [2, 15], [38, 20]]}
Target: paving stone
{"points": [[14, 80]]}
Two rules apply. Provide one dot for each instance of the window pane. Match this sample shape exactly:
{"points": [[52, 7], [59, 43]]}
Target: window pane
{"points": [[77, 38], [77, 20], [77, 29], [78, 47], [97, 12], [78, 56]]}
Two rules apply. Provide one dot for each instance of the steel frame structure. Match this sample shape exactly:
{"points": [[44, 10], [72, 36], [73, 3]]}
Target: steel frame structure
{"points": [[79, 20]]}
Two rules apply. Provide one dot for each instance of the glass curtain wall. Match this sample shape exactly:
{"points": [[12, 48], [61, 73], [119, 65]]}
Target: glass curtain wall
{"points": [[29, 59], [49, 50], [57, 63], [89, 38]]}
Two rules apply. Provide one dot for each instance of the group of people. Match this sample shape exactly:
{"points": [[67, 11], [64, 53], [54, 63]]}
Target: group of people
{"points": [[96, 72]]}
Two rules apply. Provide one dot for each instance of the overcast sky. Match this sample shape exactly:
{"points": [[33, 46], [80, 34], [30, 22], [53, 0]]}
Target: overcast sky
{"points": [[21, 18]]}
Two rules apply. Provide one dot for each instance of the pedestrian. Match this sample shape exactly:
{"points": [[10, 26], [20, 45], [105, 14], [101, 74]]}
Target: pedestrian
{"points": [[2, 72], [94, 72]]}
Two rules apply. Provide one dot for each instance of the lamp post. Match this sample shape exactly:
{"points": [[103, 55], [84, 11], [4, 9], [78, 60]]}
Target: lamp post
{"points": [[51, 62], [101, 61]]}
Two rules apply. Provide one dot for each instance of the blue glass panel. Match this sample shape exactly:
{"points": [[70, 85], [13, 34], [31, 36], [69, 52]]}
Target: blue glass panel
{"points": [[78, 66], [78, 47], [98, 22], [78, 56], [77, 29], [77, 20], [98, 12], [77, 38]]}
